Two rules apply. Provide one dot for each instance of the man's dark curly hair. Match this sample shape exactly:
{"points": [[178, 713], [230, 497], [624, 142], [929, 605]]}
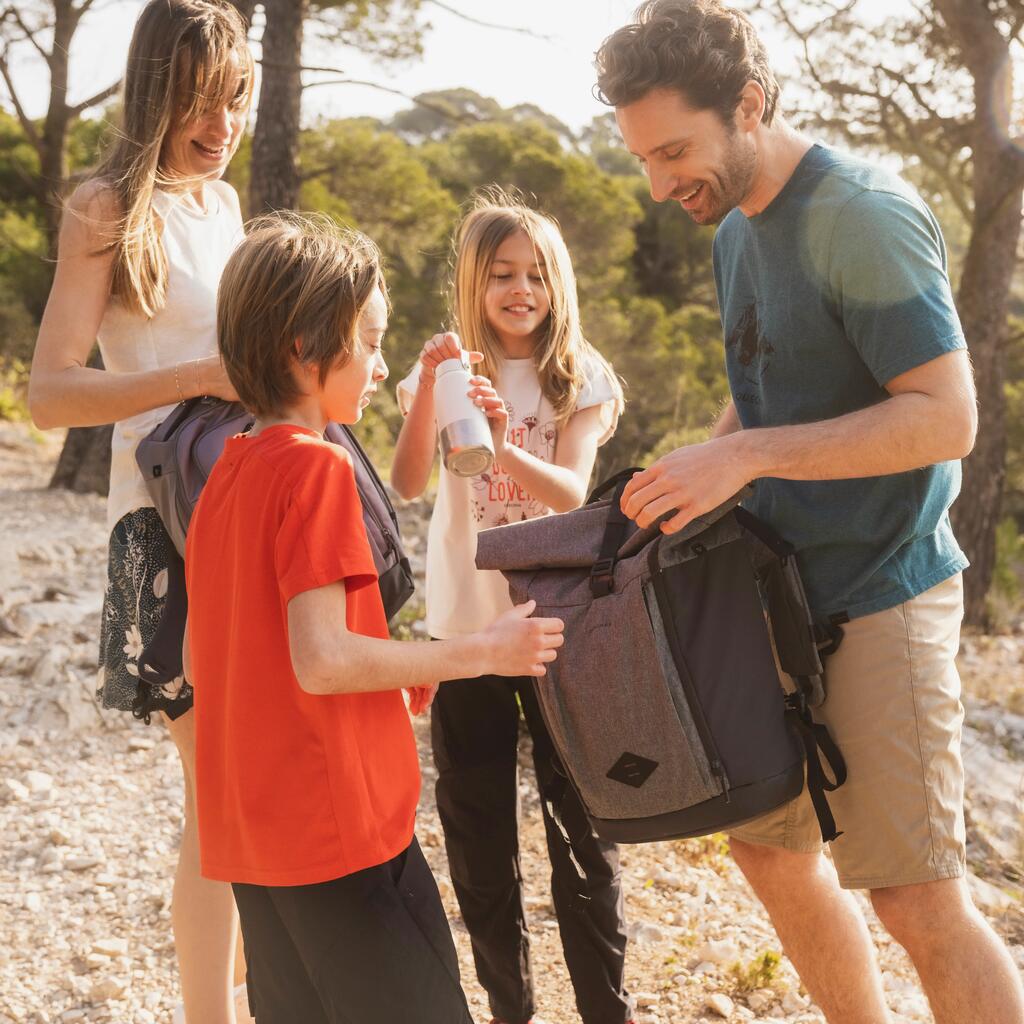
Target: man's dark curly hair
{"points": [[701, 48]]}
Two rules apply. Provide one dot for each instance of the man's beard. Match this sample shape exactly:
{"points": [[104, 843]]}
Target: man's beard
{"points": [[732, 183]]}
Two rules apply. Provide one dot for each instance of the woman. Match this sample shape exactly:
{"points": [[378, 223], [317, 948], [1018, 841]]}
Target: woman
{"points": [[141, 250]]}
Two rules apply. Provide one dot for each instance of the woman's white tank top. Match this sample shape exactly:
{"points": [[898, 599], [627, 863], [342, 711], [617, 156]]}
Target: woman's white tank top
{"points": [[198, 244]]}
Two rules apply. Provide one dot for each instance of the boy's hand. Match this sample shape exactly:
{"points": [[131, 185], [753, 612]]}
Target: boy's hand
{"points": [[517, 645], [437, 350], [421, 697], [484, 395]]}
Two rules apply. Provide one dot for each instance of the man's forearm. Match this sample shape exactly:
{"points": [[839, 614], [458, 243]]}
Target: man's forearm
{"points": [[902, 433]]}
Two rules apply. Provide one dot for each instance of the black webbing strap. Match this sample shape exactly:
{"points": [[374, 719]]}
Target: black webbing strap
{"points": [[624, 475], [818, 745], [829, 635], [602, 572]]}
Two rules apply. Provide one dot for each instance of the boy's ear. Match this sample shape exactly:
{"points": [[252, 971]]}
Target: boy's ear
{"points": [[304, 374]]}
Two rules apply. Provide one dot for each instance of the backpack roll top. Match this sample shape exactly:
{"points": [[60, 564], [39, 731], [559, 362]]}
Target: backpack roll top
{"points": [[666, 705]]}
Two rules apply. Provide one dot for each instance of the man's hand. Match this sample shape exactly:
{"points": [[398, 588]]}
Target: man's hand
{"points": [[693, 480]]}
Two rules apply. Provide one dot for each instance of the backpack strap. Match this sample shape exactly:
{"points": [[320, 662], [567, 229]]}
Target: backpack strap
{"points": [[602, 572], [819, 746], [802, 645], [607, 484]]}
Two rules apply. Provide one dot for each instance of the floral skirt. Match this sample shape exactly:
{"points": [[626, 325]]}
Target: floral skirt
{"points": [[132, 607]]}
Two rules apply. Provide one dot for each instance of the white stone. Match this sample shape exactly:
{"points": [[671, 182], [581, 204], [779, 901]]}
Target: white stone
{"points": [[33, 902], [110, 947], [760, 999], [720, 1003], [16, 789], [647, 934], [81, 863], [793, 1002], [108, 988], [721, 952], [38, 782], [647, 999], [988, 896]]}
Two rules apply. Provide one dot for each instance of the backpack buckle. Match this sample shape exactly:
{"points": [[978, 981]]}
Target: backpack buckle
{"points": [[602, 577]]}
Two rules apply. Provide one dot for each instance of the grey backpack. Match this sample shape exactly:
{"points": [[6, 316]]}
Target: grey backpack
{"points": [[666, 705]]}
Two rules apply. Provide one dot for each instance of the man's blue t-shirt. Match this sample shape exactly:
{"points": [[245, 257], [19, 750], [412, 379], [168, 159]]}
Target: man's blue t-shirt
{"points": [[834, 289]]}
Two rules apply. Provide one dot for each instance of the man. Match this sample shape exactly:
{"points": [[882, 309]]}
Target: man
{"points": [[852, 402]]}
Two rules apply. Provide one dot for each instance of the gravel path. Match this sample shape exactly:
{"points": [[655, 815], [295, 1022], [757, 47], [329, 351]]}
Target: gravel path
{"points": [[90, 811]]}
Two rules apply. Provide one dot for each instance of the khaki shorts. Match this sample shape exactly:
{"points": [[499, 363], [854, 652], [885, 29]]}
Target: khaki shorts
{"points": [[894, 709]]}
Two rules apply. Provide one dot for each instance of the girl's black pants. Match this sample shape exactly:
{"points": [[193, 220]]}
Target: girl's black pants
{"points": [[475, 730]]}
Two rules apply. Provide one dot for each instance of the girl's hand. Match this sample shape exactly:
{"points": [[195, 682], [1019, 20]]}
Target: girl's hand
{"points": [[209, 377], [493, 405], [437, 350], [421, 697]]}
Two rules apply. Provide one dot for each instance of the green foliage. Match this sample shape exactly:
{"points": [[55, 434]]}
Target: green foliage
{"points": [[13, 390], [761, 972], [372, 180], [1004, 595], [24, 281], [389, 30]]}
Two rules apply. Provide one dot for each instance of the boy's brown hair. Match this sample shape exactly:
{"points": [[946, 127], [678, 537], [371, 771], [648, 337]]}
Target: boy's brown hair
{"points": [[700, 48], [294, 288]]}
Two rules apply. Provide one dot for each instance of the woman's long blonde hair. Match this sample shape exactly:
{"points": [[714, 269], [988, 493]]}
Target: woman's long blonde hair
{"points": [[562, 355], [187, 57]]}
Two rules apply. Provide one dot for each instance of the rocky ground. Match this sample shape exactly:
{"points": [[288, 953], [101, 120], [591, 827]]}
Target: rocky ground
{"points": [[90, 812]]}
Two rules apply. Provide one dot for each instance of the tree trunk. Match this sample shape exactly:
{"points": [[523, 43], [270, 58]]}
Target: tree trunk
{"points": [[983, 303], [245, 8], [274, 184], [983, 299], [84, 463], [53, 157]]}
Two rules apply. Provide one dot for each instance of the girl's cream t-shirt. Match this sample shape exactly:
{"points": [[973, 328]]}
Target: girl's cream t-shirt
{"points": [[461, 598]]}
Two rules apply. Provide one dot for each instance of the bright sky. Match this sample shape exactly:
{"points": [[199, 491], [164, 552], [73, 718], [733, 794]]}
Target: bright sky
{"points": [[554, 73]]}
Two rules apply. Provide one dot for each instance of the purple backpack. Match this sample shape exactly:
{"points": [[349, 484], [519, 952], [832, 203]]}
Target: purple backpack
{"points": [[176, 458]]}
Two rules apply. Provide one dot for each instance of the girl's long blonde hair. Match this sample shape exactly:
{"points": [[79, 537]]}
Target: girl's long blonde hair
{"points": [[562, 355], [187, 57]]}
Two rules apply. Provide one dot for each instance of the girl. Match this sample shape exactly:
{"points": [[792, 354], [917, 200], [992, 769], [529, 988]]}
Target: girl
{"points": [[554, 400], [140, 256]]}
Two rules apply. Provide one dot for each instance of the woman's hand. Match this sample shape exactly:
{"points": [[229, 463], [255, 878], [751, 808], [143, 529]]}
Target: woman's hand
{"points": [[207, 377], [493, 405], [437, 350]]}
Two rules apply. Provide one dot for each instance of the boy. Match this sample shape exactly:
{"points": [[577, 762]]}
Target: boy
{"points": [[307, 775]]}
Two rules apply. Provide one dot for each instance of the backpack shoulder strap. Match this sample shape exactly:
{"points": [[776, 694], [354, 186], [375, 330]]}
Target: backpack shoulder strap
{"points": [[602, 572]]}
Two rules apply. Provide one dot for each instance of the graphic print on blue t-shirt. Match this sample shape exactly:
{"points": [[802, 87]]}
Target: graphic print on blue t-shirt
{"points": [[833, 290], [752, 351]]}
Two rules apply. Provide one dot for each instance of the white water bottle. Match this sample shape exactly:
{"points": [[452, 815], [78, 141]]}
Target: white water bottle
{"points": [[466, 445]]}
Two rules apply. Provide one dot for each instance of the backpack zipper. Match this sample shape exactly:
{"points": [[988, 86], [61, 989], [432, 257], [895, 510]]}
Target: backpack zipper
{"points": [[689, 688]]}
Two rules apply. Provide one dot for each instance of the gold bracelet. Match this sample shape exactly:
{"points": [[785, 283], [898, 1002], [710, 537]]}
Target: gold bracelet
{"points": [[177, 382], [195, 370]]}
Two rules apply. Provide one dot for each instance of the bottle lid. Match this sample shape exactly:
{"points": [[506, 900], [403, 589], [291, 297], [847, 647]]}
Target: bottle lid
{"points": [[449, 365]]}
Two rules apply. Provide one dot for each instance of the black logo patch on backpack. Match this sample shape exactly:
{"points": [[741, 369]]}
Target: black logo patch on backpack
{"points": [[632, 770]]}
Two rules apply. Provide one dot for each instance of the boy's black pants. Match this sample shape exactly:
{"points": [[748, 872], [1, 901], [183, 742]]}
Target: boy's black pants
{"points": [[475, 730], [372, 946]]}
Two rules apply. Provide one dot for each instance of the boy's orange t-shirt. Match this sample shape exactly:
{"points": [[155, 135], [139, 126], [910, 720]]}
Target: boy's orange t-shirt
{"points": [[292, 788]]}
